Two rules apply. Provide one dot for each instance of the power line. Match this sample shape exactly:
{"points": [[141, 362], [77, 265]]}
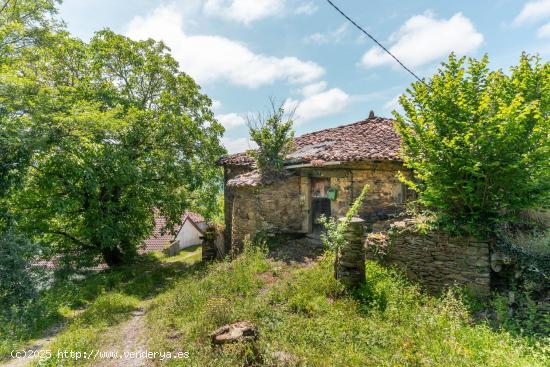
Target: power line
{"points": [[375, 41]]}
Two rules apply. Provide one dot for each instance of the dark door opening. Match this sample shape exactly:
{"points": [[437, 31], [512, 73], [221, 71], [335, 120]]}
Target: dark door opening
{"points": [[320, 203]]}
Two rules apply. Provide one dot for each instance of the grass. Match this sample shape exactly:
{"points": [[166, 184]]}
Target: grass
{"points": [[88, 306], [306, 315], [84, 333], [189, 255], [301, 313]]}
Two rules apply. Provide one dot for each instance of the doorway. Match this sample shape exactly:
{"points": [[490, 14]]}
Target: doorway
{"points": [[320, 203]]}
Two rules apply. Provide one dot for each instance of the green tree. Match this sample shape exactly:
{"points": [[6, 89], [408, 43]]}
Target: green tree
{"points": [[123, 133], [478, 141], [273, 133], [25, 23], [25, 26]]}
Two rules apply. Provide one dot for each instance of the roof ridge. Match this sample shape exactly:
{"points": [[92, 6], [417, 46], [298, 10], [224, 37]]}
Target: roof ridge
{"points": [[367, 120]]}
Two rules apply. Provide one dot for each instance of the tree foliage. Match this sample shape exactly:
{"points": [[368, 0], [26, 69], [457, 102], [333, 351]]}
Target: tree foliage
{"points": [[113, 132], [25, 23], [25, 26], [273, 134], [478, 141]]}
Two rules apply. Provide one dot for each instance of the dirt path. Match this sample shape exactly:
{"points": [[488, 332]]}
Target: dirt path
{"points": [[120, 344], [125, 342], [35, 346]]}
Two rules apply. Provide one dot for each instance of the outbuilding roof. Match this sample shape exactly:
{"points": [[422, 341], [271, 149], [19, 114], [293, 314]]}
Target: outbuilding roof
{"points": [[374, 138], [162, 236]]}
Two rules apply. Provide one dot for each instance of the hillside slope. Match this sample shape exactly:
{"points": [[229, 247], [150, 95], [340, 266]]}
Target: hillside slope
{"points": [[305, 318]]}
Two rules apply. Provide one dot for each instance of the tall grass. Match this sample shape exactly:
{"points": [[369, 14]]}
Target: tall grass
{"points": [[308, 316]]}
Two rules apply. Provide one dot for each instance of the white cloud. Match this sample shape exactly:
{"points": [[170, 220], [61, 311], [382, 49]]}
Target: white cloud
{"points": [[244, 11], [423, 38], [317, 105], [544, 31], [308, 8], [533, 11], [328, 37], [314, 88], [216, 58], [231, 120], [237, 145]]}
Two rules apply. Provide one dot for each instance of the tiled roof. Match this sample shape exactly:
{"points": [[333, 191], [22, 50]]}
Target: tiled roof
{"points": [[254, 178], [158, 241], [197, 218], [237, 159], [371, 139]]}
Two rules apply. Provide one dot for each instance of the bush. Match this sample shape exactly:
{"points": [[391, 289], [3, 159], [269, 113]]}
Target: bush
{"points": [[477, 141], [333, 238], [18, 280], [273, 134]]}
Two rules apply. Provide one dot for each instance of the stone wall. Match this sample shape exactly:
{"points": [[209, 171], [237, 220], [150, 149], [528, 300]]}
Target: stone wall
{"points": [[230, 172], [349, 267], [436, 260], [275, 208], [286, 205], [386, 193]]}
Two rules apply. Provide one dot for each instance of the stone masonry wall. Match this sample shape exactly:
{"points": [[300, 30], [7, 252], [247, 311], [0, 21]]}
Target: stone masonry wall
{"points": [[436, 260], [230, 172], [275, 208], [386, 193], [252, 209]]}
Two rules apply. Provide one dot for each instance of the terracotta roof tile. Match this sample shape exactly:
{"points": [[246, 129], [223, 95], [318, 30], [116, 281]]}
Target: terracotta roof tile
{"points": [[254, 178], [371, 139]]}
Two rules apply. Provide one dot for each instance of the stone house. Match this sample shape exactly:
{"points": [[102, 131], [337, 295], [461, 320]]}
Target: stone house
{"points": [[324, 174]]}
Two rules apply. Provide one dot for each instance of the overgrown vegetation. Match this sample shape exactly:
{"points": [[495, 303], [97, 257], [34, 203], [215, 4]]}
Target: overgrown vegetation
{"points": [[478, 141], [273, 133], [333, 237], [18, 282], [305, 315]]}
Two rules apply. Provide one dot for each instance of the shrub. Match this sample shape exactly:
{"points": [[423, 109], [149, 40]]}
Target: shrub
{"points": [[273, 134], [478, 141], [17, 279], [334, 238]]}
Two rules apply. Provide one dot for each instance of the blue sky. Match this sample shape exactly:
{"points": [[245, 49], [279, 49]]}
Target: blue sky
{"points": [[304, 54]]}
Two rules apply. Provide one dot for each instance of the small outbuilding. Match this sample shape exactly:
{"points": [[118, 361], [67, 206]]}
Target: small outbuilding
{"points": [[187, 234]]}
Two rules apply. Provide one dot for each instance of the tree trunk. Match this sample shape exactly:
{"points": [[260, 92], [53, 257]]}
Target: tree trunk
{"points": [[112, 256]]}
